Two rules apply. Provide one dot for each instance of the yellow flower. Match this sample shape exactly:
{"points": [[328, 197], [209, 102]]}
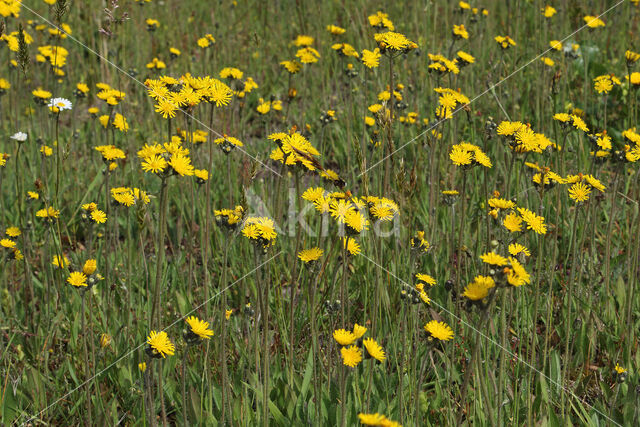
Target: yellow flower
{"points": [[372, 419], [166, 108], [356, 221], [339, 210], [593, 21], [13, 231], [77, 279], [159, 344], [604, 84], [394, 41], [534, 222], [181, 165], [335, 30], [7, 243], [380, 20], [579, 192], [230, 72], [460, 156], [308, 55], [516, 273], [359, 331], [46, 151], [352, 246], [374, 349], [493, 258], [631, 57], [479, 288], [90, 267], [344, 337], [105, 340], [460, 31], [49, 212], [516, 249], [98, 216], [309, 255], [501, 203], [120, 122], [556, 45], [426, 279], [199, 327], [312, 194], [60, 262], [263, 107], [351, 356], [505, 41], [464, 58], [439, 330], [371, 58], [548, 61], [303, 41], [548, 11], [291, 66]]}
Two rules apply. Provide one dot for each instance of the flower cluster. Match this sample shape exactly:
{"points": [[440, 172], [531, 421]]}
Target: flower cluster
{"points": [[81, 279], [90, 212], [522, 139], [468, 155], [229, 218], [353, 347], [260, 230], [167, 159], [442, 65], [9, 245]]}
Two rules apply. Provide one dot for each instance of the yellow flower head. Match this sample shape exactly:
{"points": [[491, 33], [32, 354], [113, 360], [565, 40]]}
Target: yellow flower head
{"points": [[579, 192], [493, 258], [359, 331], [159, 344], [374, 349], [77, 279], [344, 337], [439, 330], [351, 356], [310, 255], [479, 288], [90, 267], [199, 328]]}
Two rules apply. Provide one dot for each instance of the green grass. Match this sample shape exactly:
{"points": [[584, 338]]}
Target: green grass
{"points": [[544, 353]]}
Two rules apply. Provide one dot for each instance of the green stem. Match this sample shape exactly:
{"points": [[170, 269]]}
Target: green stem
{"points": [[86, 360], [574, 266], [160, 254], [607, 257], [476, 351], [58, 173], [185, 416]]}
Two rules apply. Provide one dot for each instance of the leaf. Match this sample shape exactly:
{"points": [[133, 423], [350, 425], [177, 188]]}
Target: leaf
{"points": [[307, 375], [275, 412]]}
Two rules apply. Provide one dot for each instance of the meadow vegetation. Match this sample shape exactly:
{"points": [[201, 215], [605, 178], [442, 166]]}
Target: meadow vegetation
{"points": [[319, 213]]}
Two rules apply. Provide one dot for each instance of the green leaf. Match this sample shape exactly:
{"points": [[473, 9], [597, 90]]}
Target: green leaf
{"points": [[307, 375]]}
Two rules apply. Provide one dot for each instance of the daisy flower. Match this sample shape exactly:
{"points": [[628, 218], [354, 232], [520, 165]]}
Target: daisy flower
{"points": [[60, 104]]}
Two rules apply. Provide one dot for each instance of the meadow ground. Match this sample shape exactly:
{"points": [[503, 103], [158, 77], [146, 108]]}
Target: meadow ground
{"points": [[319, 213]]}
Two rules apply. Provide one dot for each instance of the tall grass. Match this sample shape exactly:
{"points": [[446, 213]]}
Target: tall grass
{"points": [[557, 348]]}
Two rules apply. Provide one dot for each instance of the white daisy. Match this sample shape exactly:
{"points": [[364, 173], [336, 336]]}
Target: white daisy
{"points": [[60, 103], [19, 136]]}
